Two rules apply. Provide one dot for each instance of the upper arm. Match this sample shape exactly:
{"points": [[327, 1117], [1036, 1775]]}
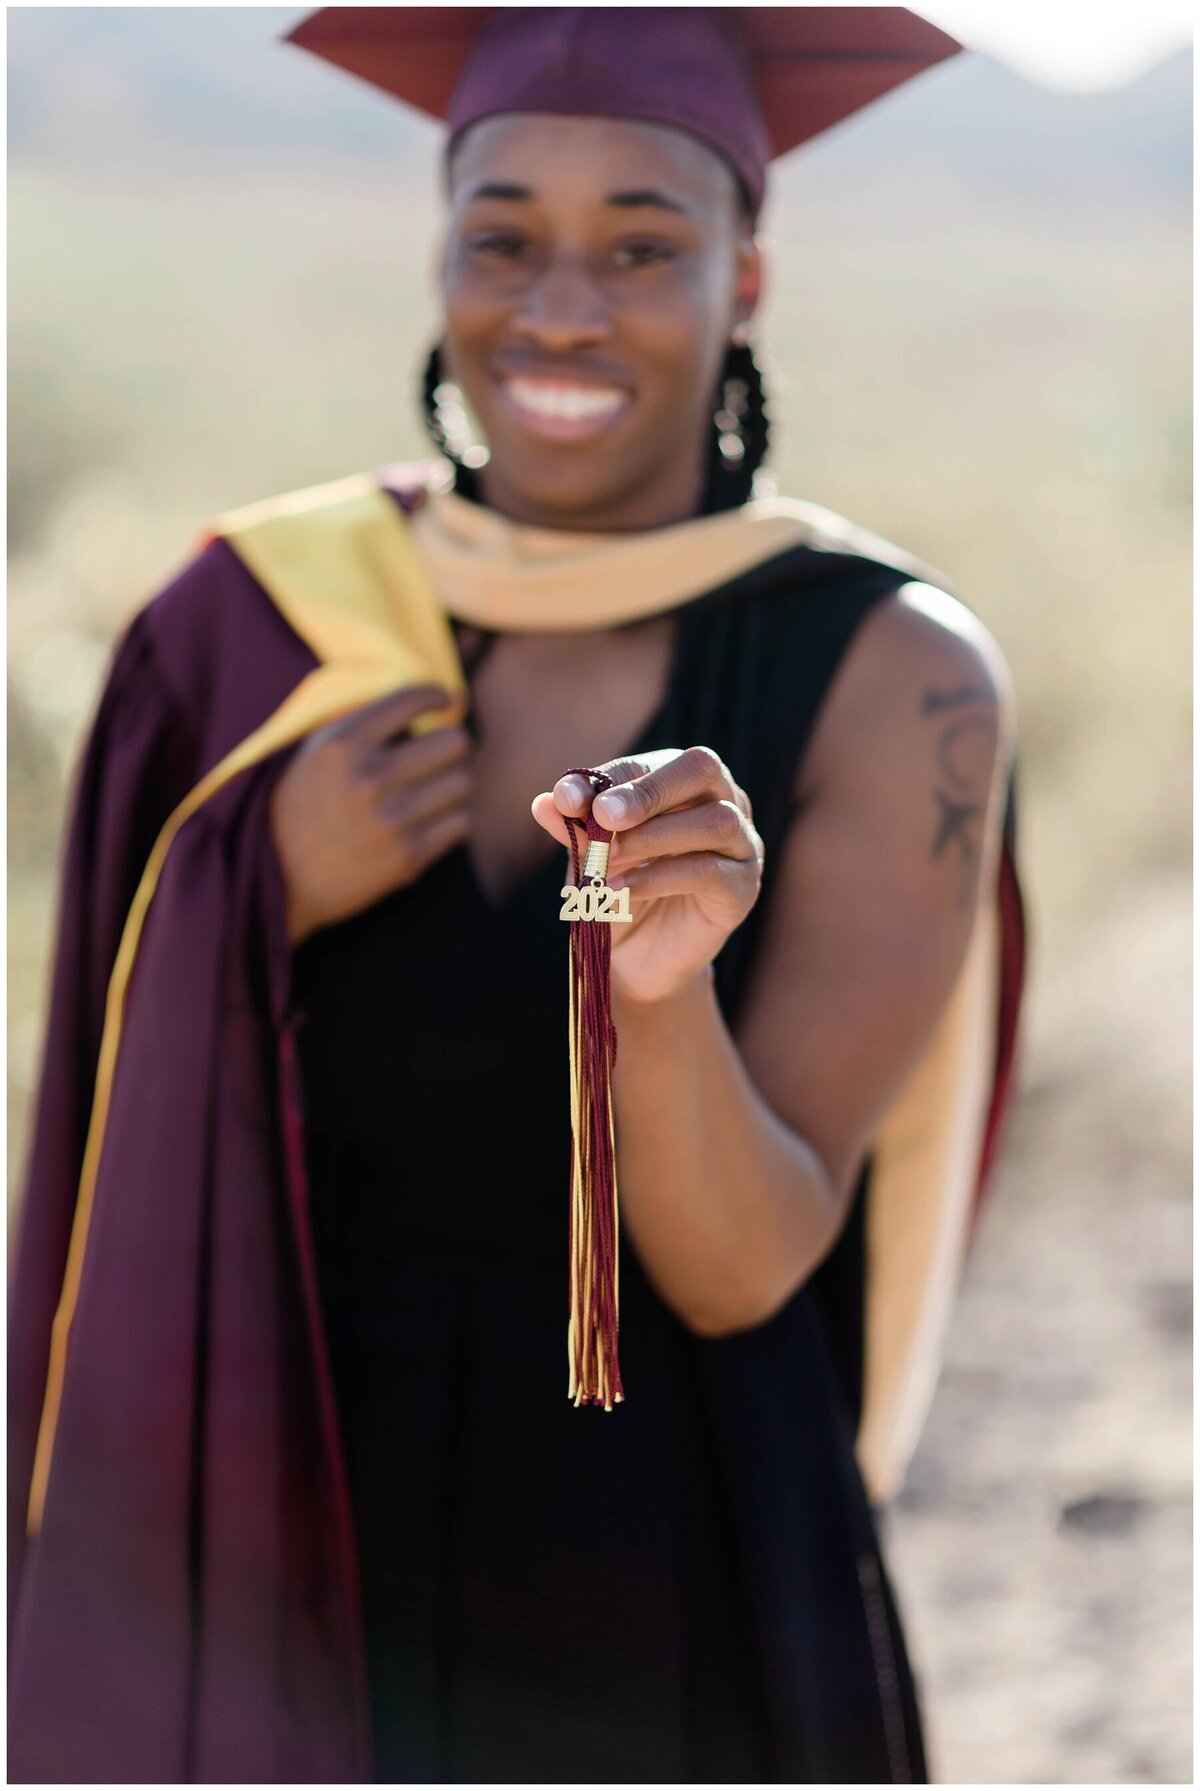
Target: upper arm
{"points": [[893, 845]]}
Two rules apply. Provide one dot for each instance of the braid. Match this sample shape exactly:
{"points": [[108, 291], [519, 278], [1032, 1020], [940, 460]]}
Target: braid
{"points": [[740, 412], [431, 379], [740, 420]]}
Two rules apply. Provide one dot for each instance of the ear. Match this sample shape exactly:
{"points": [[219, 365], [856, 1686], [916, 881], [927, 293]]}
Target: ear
{"points": [[437, 276], [437, 262], [749, 280]]}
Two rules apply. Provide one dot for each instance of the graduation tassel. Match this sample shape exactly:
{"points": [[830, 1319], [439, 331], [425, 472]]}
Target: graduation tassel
{"points": [[589, 904]]}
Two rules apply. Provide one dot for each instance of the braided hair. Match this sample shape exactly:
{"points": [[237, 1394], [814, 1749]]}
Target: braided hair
{"points": [[740, 435], [737, 442]]}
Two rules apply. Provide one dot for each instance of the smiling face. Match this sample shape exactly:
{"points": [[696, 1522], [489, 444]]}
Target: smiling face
{"points": [[594, 270]]}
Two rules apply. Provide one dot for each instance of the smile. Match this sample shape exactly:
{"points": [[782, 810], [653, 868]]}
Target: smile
{"points": [[561, 410]]}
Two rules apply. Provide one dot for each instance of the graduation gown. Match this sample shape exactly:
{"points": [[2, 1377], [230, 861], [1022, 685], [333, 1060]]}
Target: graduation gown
{"points": [[186, 1608]]}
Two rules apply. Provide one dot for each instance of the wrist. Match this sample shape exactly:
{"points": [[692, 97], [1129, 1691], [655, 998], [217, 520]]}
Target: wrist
{"points": [[683, 1001]]}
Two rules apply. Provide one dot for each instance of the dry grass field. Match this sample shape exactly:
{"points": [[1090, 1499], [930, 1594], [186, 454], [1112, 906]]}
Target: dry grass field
{"points": [[995, 375]]}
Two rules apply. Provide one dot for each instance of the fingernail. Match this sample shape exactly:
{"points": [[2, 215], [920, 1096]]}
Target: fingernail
{"points": [[613, 810], [573, 788]]}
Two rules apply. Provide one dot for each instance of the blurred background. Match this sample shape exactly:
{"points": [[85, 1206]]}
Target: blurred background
{"points": [[220, 287]]}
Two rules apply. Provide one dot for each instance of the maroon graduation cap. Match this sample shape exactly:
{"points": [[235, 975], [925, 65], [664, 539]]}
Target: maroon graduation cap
{"points": [[752, 81]]}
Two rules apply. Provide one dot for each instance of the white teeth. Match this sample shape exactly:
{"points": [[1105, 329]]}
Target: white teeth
{"points": [[565, 403]]}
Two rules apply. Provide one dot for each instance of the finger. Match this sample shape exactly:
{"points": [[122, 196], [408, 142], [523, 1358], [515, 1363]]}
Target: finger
{"points": [[689, 776], [434, 838], [402, 762], [706, 827], [375, 723], [695, 873], [573, 794], [416, 803], [547, 814]]}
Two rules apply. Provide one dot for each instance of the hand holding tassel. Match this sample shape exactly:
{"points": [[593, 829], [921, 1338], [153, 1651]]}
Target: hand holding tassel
{"points": [[684, 845]]}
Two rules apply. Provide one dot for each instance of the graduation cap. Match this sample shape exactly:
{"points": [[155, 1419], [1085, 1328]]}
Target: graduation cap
{"points": [[751, 81]]}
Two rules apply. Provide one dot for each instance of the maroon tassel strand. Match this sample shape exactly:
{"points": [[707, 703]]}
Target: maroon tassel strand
{"points": [[595, 1374]]}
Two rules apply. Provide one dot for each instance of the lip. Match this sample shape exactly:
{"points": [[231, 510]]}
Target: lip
{"points": [[569, 388]]}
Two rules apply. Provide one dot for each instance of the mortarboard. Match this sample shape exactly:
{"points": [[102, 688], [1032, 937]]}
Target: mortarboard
{"points": [[752, 81]]}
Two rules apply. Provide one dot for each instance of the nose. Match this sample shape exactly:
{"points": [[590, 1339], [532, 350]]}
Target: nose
{"points": [[562, 309]]}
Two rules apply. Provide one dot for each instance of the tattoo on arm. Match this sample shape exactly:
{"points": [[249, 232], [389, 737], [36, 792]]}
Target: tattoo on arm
{"points": [[958, 796], [954, 750], [955, 824]]}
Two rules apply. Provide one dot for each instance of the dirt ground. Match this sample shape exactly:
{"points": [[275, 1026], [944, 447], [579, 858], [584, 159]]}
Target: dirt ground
{"points": [[1042, 1546]]}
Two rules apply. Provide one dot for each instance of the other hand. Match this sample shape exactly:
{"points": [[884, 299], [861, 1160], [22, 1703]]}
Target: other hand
{"points": [[363, 808]]}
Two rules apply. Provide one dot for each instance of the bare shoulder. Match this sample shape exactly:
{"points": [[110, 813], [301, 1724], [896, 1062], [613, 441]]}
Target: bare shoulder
{"points": [[919, 659]]}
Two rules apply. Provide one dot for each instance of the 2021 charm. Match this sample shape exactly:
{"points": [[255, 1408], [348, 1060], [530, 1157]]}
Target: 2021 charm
{"points": [[595, 900]]}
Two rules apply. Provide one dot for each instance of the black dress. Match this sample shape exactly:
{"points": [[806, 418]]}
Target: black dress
{"points": [[687, 1588]]}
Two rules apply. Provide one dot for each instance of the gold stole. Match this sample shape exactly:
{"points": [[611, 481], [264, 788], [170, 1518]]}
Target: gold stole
{"points": [[371, 592]]}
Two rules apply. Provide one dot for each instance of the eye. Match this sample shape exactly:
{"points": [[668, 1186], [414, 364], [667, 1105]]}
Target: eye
{"points": [[506, 245], [643, 252]]}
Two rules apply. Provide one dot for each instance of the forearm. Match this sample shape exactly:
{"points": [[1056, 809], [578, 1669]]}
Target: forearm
{"points": [[728, 1207]]}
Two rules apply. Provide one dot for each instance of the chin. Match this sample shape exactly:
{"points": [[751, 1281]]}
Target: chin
{"points": [[561, 492]]}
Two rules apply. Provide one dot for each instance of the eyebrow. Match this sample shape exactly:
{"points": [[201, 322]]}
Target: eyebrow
{"points": [[500, 189], [649, 196], [627, 200]]}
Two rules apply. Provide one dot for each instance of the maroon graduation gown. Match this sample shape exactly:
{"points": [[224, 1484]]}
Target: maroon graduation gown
{"points": [[189, 1609]]}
